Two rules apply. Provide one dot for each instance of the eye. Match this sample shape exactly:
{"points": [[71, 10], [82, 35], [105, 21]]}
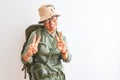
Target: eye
{"points": [[54, 18]]}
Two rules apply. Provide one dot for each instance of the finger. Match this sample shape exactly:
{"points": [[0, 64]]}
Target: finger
{"points": [[38, 40], [61, 36], [34, 38], [61, 44], [57, 38]]}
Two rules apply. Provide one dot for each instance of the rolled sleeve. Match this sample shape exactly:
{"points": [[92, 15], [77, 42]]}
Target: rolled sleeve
{"points": [[68, 58]]}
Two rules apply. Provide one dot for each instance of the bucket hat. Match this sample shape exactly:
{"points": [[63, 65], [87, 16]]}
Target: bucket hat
{"points": [[47, 11]]}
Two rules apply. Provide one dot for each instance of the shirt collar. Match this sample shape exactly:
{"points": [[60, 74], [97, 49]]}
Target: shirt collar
{"points": [[53, 34]]}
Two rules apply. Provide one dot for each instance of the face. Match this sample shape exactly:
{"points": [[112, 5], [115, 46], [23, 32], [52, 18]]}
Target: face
{"points": [[51, 24]]}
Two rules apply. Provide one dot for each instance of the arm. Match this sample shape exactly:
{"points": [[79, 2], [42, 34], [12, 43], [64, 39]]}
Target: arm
{"points": [[66, 56], [62, 46], [30, 48]]}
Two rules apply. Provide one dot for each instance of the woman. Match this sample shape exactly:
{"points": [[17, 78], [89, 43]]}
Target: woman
{"points": [[46, 51]]}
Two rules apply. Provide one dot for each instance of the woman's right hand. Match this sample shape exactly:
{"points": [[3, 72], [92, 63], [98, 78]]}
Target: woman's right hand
{"points": [[33, 47]]}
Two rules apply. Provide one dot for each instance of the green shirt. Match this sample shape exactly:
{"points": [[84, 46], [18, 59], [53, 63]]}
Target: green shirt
{"points": [[48, 54]]}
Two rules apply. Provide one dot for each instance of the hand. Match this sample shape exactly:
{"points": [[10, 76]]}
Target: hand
{"points": [[33, 47], [61, 44]]}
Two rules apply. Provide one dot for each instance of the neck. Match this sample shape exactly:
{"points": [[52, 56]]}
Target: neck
{"points": [[51, 31]]}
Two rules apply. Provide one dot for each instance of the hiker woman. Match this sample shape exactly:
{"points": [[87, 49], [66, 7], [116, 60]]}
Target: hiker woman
{"points": [[46, 48]]}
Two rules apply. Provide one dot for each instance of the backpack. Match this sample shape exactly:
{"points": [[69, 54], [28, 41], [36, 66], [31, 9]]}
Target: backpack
{"points": [[38, 28]]}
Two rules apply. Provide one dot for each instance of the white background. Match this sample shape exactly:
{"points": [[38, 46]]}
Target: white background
{"points": [[92, 28]]}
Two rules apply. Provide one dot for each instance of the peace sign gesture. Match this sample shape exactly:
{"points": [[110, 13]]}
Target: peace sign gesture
{"points": [[61, 44], [32, 48]]}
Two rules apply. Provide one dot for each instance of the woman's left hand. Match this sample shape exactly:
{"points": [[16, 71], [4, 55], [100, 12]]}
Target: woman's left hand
{"points": [[61, 44]]}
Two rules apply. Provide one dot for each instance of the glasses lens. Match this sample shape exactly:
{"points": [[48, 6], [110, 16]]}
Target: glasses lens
{"points": [[54, 18]]}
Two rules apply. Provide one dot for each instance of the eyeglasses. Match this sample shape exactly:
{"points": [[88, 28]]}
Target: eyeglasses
{"points": [[53, 19]]}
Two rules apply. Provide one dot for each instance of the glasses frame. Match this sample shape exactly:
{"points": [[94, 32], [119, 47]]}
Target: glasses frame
{"points": [[53, 18]]}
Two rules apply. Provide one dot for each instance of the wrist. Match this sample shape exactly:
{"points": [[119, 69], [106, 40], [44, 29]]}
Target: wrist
{"points": [[64, 51], [26, 57], [65, 55]]}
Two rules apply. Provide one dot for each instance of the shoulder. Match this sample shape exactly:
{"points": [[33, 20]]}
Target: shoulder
{"points": [[34, 27]]}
